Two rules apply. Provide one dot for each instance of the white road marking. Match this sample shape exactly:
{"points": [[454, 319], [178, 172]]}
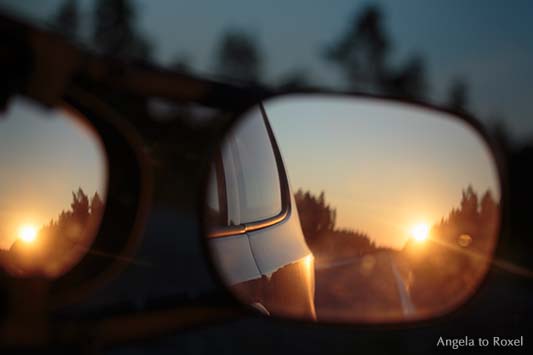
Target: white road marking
{"points": [[407, 305]]}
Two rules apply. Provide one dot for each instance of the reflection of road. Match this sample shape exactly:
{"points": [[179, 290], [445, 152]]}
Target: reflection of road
{"points": [[374, 286], [403, 289]]}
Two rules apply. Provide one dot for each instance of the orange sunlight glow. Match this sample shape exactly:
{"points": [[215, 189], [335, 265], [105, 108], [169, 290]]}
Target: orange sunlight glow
{"points": [[420, 232], [308, 261], [27, 233]]}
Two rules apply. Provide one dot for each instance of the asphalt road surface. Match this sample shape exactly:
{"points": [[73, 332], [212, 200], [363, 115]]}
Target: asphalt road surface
{"points": [[374, 287]]}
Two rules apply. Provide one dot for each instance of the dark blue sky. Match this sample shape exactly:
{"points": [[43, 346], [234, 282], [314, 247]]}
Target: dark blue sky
{"points": [[486, 43]]}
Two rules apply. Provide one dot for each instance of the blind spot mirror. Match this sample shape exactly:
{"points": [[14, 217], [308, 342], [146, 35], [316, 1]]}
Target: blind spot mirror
{"points": [[53, 181], [352, 209]]}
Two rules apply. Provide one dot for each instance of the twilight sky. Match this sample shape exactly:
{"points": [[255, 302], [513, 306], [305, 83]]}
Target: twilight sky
{"points": [[485, 43], [44, 157], [384, 167]]}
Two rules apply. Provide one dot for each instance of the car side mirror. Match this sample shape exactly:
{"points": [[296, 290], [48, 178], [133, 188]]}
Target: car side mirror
{"points": [[391, 213]]}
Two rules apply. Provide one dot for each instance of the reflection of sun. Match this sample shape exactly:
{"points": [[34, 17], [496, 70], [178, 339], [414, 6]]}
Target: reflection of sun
{"points": [[420, 232], [27, 233]]}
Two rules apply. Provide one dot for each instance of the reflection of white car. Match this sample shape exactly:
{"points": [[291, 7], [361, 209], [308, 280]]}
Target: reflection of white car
{"points": [[255, 233]]}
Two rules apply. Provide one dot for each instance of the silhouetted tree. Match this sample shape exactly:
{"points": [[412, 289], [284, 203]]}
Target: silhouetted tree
{"points": [[459, 251], [181, 63], [295, 79], [458, 96], [469, 202], [315, 216], [63, 218], [409, 81], [488, 214], [351, 242], [238, 57], [361, 53], [97, 204], [487, 206], [474, 217], [115, 31], [80, 206], [362, 50], [67, 18]]}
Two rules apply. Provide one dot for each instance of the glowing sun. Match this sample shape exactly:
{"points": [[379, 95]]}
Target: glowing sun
{"points": [[420, 232], [27, 233]]}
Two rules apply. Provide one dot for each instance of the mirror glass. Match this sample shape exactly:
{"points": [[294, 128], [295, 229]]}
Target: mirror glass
{"points": [[347, 209], [53, 176]]}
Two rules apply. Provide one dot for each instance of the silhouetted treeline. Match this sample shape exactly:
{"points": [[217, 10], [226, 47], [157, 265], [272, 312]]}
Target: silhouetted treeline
{"points": [[60, 243], [476, 218], [453, 260], [114, 30], [238, 57], [317, 219], [362, 53], [316, 216]]}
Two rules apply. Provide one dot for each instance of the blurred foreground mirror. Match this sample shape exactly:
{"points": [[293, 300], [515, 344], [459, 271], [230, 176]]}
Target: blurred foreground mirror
{"points": [[391, 214], [53, 175]]}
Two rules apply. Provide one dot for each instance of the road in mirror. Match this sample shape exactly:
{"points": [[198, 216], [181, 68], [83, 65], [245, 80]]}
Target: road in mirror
{"points": [[53, 175], [397, 207]]}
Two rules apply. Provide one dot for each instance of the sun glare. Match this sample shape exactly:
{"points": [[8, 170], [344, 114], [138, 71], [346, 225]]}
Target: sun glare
{"points": [[28, 233], [420, 232]]}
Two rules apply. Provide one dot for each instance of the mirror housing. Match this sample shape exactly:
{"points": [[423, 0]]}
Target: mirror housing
{"points": [[391, 215]]}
